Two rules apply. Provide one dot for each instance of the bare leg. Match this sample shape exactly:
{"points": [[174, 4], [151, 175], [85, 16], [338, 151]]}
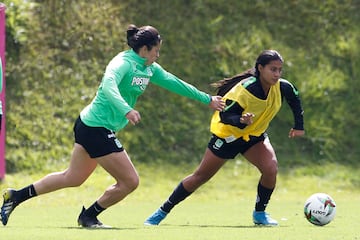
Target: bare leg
{"points": [[121, 168], [205, 171], [81, 166], [208, 167], [262, 155]]}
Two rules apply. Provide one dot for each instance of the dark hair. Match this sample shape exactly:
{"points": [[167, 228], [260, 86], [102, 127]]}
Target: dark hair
{"points": [[263, 59], [144, 36], [224, 85]]}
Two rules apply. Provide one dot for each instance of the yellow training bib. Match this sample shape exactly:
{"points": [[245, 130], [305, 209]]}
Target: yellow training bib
{"points": [[264, 111]]}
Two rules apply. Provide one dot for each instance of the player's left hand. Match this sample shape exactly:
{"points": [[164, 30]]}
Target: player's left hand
{"points": [[247, 118], [217, 103], [296, 133]]}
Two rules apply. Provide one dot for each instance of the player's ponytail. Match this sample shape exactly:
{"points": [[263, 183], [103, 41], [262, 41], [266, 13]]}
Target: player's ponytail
{"points": [[224, 85], [144, 36], [130, 35]]}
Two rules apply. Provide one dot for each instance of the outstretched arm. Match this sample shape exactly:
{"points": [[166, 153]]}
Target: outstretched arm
{"points": [[217, 103]]}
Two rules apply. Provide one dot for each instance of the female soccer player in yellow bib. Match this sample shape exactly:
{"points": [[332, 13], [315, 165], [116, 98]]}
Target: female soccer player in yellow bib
{"points": [[252, 99]]}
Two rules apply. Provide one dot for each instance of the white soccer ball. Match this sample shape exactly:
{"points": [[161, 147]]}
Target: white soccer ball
{"points": [[320, 209]]}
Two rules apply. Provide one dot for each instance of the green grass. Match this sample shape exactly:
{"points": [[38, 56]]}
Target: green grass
{"points": [[221, 209]]}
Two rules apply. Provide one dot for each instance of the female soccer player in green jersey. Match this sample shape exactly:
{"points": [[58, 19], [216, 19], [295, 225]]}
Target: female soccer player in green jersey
{"points": [[252, 99], [125, 79]]}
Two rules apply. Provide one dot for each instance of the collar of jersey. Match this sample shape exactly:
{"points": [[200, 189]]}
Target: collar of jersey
{"points": [[137, 57]]}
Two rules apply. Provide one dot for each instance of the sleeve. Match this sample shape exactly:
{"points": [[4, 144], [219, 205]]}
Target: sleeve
{"points": [[173, 84], [109, 86], [232, 113], [291, 95]]}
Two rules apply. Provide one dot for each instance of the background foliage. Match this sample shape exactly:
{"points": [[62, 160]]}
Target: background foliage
{"points": [[57, 51]]}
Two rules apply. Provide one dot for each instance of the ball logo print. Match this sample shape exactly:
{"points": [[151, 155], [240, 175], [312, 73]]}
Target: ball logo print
{"points": [[320, 209]]}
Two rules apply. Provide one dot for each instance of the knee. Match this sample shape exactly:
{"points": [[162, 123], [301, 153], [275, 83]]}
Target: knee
{"points": [[72, 180], [75, 183], [271, 169], [130, 184], [199, 179], [134, 183], [274, 167]]}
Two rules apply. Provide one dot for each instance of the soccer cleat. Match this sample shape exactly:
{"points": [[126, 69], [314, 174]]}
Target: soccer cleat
{"points": [[155, 218], [90, 222], [263, 219], [8, 206]]}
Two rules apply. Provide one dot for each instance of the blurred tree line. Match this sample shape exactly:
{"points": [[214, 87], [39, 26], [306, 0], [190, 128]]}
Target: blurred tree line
{"points": [[57, 50]]}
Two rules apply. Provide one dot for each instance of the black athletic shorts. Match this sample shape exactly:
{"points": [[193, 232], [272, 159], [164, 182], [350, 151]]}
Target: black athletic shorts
{"points": [[97, 141], [225, 150]]}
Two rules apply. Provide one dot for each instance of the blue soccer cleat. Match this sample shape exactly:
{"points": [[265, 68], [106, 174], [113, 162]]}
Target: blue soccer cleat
{"points": [[155, 218], [263, 219]]}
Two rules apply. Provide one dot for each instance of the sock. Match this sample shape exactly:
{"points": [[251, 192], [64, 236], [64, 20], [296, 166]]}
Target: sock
{"points": [[263, 197], [94, 210], [179, 194], [24, 194]]}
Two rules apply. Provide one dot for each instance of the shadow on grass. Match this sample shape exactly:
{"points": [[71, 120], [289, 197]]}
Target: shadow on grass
{"points": [[76, 228], [102, 229], [221, 226]]}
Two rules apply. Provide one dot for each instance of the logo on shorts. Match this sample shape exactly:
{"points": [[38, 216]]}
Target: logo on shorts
{"points": [[118, 143], [218, 143], [111, 135]]}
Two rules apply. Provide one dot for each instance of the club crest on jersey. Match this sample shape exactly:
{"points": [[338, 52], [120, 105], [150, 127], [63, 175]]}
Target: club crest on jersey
{"points": [[142, 82]]}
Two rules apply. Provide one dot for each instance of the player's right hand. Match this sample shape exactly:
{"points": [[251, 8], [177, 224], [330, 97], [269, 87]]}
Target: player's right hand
{"points": [[217, 103], [133, 116]]}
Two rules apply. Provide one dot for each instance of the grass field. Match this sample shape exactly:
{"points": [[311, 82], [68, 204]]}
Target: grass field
{"points": [[219, 210]]}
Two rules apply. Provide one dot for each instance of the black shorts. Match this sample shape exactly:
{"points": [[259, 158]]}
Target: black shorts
{"points": [[97, 141], [225, 150]]}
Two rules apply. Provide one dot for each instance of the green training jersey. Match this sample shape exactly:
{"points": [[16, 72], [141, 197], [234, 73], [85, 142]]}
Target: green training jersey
{"points": [[125, 79]]}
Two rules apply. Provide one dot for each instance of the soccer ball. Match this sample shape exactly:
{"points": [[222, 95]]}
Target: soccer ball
{"points": [[320, 209]]}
